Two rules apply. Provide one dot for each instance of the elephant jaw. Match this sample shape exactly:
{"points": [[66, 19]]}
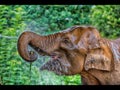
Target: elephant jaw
{"points": [[57, 66]]}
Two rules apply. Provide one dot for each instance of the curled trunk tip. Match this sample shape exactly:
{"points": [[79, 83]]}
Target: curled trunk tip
{"points": [[22, 45]]}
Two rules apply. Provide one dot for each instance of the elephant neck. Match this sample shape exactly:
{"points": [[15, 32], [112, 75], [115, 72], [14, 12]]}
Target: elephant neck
{"points": [[114, 51], [89, 79], [115, 48]]}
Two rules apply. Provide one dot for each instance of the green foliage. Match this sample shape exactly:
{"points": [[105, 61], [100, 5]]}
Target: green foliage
{"points": [[11, 20], [106, 19], [52, 18], [72, 80], [47, 19], [12, 68]]}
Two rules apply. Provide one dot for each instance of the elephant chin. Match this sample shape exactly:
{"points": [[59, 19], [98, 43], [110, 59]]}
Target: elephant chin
{"points": [[57, 67]]}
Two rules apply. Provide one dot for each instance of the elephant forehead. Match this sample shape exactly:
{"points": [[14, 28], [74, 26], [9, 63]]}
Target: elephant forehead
{"points": [[73, 37]]}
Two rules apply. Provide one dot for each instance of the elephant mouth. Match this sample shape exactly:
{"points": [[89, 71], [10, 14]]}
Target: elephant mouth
{"points": [[56, 64], [41, 52]]}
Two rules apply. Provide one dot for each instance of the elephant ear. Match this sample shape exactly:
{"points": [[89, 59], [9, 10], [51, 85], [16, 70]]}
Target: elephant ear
{"points": [[97, 61], [89, 39], [96, 53]]}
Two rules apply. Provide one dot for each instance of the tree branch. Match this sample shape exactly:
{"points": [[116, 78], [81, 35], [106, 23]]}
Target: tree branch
{"points": [[8, 37]]}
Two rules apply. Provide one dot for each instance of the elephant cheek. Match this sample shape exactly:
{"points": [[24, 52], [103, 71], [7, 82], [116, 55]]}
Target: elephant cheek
{"points": [[77, 67], [81, 68]]}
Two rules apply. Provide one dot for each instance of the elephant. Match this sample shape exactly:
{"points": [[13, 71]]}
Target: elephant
{"points": [[75, 50]]}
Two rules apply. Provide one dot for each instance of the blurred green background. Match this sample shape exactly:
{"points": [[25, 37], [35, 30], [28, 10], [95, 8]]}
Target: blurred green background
{"points": [[44, 20]]}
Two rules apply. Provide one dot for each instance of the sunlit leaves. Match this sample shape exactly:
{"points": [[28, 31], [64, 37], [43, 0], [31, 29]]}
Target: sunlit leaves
{"points": [[56, 17], [106, 19], [12, 68], [73, 80]]}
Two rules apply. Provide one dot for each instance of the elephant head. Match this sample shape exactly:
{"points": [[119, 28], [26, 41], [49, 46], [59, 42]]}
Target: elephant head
{"points": [[72, 50]]}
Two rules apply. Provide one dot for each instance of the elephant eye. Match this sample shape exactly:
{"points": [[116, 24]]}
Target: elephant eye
{"points": [[66, 40], [66, 43]]}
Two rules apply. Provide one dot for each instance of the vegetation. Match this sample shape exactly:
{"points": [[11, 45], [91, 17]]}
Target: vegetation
{"points": [[46, 19], [106, 19]]}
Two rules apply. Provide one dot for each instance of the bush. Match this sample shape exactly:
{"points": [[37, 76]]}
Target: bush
{"points": [[106, 19], [12, 68]]}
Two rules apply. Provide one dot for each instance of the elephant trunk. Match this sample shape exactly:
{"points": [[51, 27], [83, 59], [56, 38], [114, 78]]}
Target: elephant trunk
{"points": [[42, 44], [23, 41]]}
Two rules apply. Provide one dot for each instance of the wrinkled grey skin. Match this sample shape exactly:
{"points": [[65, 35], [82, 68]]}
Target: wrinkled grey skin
{"points": [[76, 50]]}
